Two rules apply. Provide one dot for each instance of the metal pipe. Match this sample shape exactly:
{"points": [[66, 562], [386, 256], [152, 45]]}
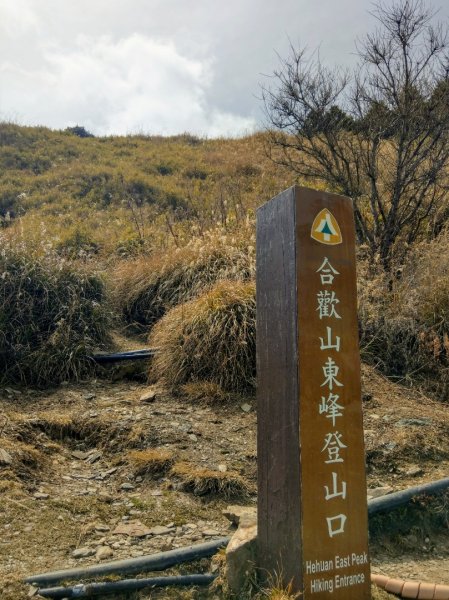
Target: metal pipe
{"points": [[391, 501], [122, 356], [152, 562], [164, 560], [87, 590]]}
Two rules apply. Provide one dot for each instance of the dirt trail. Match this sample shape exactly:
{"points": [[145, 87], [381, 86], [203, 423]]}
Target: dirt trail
{"points": [[69, 482]]}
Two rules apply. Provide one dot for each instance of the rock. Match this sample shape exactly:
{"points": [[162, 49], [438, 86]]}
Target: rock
{"points": [[193, 437], [222, 468], [102, 527], [379, 491], [90, 396], [235, 513], [241, 557], [105, 497], [414, 471], [32, 592], [246, 407], [93, 457], [40, 496], [416, 422], [127, 486], [161, 530], [149, 396], [103, 553], [80, 455], [133, 529], [83, 552], [5, 457], [210, 532]]}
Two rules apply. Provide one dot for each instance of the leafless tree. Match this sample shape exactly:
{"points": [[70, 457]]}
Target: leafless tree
{"points": [[380, 133]]}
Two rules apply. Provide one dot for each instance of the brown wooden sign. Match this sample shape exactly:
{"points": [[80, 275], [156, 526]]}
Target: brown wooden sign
{"points": [[312, 507]]}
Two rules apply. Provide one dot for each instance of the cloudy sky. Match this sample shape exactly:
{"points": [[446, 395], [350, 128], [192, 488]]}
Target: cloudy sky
{"points": [[161, 66]]}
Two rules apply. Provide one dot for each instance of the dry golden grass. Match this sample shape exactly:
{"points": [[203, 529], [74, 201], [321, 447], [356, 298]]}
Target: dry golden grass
{"points": [[379, 594], [405, 317], [201, 481], [152, 462], [205, 391], [145, 288], [211, 339], [52, 317]]}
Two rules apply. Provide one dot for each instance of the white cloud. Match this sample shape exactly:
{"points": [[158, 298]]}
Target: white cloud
{"points": [[118, 87], [17, 18]]}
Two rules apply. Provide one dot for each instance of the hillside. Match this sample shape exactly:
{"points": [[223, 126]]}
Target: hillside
{"points": [[111, 196], [126, 242]]}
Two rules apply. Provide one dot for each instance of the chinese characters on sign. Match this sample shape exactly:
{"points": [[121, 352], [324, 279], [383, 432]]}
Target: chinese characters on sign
{"points": [[332, 459], [312, 508], [333, 446]]}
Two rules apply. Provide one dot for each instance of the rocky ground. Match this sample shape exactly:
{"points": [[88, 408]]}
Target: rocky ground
{"points": [[75, 488]]}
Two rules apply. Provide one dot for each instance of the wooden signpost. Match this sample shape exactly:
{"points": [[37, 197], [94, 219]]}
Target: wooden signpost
{"points": [[312, 506]]}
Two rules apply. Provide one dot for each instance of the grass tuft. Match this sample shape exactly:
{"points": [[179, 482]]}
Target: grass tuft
{"points": [[145, 288], [210, 339], [201, 481], [52, 317], [152, 462]]}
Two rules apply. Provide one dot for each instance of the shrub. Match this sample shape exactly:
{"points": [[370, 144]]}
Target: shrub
{"points": [[77, 245], [202, 482], [52, 317], [151, 462], [80, 131], [211, 338], [149, 286], [405, 321]]}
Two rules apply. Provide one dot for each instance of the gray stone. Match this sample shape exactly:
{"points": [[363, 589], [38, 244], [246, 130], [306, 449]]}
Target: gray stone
{"points": [[80, 455], [133, 529], [414, 471], [148, 397], [161, 530], [246, 407], [234, 514], [379, 491], [5, 457], [83, 552], [416, 422], [241, 557], [93, 457], [127, 486], [103, 553], [40, 496]]}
